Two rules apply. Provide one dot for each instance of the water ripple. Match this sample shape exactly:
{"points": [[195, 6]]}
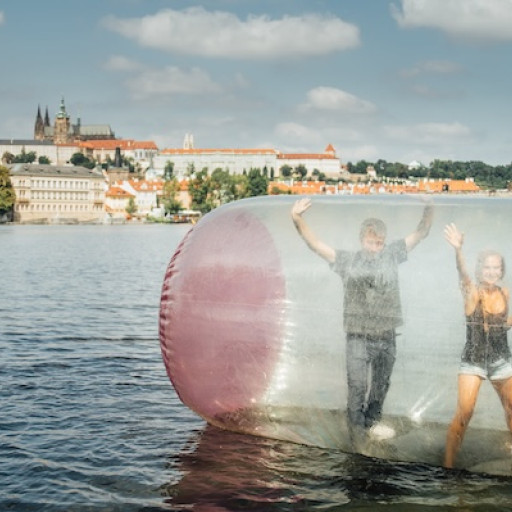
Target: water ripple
{"points": [[90, 421]]}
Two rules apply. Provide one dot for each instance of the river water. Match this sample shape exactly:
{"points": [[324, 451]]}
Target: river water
{"points": [[90, 422]]}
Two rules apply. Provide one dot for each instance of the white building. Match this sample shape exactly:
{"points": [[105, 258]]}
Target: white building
{"points": [[57, 194], [141, 152], [116, 202], [238, 161], [327, 162], [58, 154], [145, 194]]}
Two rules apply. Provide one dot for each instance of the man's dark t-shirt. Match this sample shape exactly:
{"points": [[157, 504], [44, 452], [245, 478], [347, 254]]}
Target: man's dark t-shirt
{"points": [[371, 291]]}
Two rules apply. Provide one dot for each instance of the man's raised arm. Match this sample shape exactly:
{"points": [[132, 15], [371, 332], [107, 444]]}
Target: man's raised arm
{"points": [[423, 229], [316, 245]]}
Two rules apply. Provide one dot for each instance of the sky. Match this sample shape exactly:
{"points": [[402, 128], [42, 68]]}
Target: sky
{"points": [[399, 80]]}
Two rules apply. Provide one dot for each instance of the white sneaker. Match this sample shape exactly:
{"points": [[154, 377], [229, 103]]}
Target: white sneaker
{"points": [[381, 432]]}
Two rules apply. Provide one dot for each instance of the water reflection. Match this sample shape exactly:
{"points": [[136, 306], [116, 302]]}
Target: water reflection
{"points": [[229, 471], [225, 471]]}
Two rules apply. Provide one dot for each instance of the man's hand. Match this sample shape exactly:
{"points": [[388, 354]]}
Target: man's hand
{"points": [[300, 206]]}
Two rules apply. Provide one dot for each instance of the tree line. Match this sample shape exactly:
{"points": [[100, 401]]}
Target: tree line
{"points": [[485, 175], [210, 190]]}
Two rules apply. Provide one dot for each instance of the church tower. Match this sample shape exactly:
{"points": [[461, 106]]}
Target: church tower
{"points": [[62, 125], [39, 126], [46, 118]]}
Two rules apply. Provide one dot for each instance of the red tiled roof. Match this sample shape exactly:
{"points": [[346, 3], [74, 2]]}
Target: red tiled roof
{"points": [[306, 156], [452, 185], [319, 187], [209, 151], [124, 144], [146, 186], [118, 192]]}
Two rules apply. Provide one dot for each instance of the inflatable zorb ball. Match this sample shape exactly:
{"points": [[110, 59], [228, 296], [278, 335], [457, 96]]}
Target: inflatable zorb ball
{"points": [[251, 325]]}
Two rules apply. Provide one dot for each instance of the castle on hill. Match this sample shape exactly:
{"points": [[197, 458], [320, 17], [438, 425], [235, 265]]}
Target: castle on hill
{"points": [[63, 131]]}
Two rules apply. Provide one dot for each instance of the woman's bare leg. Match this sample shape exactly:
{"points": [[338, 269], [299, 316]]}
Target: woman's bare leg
{"points": [[504, 390], [468, 387]]}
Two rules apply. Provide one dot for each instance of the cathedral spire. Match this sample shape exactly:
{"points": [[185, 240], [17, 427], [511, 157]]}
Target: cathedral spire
{"points": [[62, 131], [39, 126], [62, 114]]}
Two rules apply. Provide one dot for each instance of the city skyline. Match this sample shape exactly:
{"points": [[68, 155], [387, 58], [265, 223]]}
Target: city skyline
{"points": [[399, 80]]}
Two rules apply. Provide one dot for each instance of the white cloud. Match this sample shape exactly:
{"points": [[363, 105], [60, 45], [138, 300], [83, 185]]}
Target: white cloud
{"points": [[295, 137], [296, 132], [2, 17], [365, 152], [425, 91], [473, 20], [240, 81], [428, 92], [429, 133], [195, 31], [432, 67], [120, 63], [172, 81], [330, 98]]}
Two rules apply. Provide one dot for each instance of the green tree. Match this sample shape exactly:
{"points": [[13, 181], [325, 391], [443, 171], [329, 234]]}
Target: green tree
{"points": [[24, 157], [241, 186], [257, 184], [78, 158], [7, 195], [43, 160], [360, 167], [7, 158], [225, 187], [81, 160], [402, 171], [168, 170], [131, 207], [222, 188], [285, 171], [169, 202], [300, 171], [191, 170], [199, 190], [130, 163]]}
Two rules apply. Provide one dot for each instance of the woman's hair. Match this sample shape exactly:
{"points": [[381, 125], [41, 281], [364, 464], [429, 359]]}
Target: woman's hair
{"points": [[482, 258], [374, 226]]}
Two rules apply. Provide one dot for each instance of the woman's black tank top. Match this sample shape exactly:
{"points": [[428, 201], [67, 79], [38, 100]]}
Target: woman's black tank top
{"points": [[486, 335]]}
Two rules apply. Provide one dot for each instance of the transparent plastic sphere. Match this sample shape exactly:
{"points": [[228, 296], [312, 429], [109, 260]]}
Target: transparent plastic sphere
{"points": [[252, 332]]}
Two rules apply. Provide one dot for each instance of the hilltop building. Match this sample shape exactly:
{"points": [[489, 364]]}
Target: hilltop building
{"points": [[64, 132], [57, 142], [238, 161], [102, 150], [57, 154], [326, 163]]}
